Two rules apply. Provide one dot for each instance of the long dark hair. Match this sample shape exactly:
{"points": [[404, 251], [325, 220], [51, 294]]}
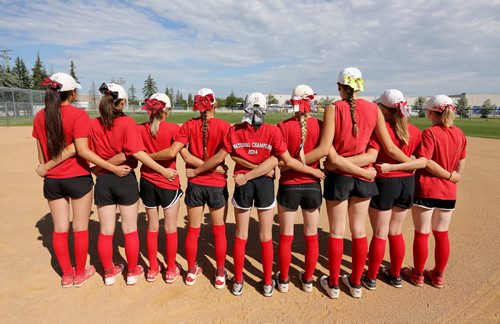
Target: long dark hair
{"points": [[107, 106], [352, 107], [53, 121]]}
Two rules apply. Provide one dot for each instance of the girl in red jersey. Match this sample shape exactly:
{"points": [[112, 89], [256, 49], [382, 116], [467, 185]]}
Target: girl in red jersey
{"points": [[155, 190], [253, 143], [111, 134], [66, 176], [388, 209], [435, 197], [348, 124], [203, 137]]}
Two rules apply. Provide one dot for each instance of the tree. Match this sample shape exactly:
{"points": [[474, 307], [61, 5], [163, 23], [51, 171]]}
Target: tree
{"points": [[39, 73], [190, 101], [132, 98], [72, 71], [418, 106], [231, 100], [221, 102], [22, 73], [149, 87], [325, 102], [7, 77], [463, 107], [487, 108], [271, 100]]}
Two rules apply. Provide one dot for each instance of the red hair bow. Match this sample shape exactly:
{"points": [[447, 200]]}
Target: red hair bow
{"points": [[403, 108], [203, 103], [442, 108], [152, 106], [304, 105], [52, 84]]}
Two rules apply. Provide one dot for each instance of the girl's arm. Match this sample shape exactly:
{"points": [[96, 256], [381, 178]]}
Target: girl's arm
{"points": [[42, 169], [388, 145], [364, 159], [244, 163], [83, 150], [335, 161], [326, 138], [411, 165], [210, 164], [190, 158], [301, 167], [260, 170], [168, 153], [118, 159], [145, 159]]}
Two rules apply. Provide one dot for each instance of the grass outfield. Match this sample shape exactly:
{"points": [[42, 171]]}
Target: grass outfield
{"points": [[476, 127]]}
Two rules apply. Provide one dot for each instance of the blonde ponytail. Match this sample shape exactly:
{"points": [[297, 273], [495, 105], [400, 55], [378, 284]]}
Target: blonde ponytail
{"points": [[303, 134], [400, 124], [447, 117], [154, 121]]}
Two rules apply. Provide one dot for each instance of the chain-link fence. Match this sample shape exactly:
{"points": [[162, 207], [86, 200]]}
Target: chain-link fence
{"points": [[18, 106]]}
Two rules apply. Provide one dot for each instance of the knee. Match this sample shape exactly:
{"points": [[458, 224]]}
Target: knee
{"points": [[154, 226]]}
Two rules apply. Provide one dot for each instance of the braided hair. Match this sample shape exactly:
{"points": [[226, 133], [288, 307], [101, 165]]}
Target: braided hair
{"points": [[204, 129], [352, 106], [303, 134]]}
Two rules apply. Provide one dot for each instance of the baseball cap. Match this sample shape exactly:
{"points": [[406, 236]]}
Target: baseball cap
{"points": [[254, 99], [67, 81], [122, 94], [163, 98], [352, 77], [303, 91], [206, 91], [390, 98], [439, 103]]}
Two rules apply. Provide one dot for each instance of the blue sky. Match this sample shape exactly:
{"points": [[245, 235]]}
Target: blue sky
{"points": [[420, 47]]}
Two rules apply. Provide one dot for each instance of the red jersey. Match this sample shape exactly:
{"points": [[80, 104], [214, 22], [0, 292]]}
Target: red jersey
{"points": [[255, 146], [122, 137], [409, 149], [163, 139], [445, 146], [344, 141], [76, 124], [291, 131], [191, 135]]}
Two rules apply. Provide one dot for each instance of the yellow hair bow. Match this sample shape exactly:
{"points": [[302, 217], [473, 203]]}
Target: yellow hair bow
{"points": [[356, 83]]}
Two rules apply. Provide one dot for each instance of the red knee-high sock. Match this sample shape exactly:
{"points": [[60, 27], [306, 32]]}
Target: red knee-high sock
{"points": [[60, 246], [81, 248], [359, 253], [220, 243], [239, 258], [132, 250], [285, 255], [311, 257], [191, 247], [171, 249], [397, 252], [442, 251], [420, 252], [152, 248], [105, 251], [375, 256], [335, 252], [267, 261]]}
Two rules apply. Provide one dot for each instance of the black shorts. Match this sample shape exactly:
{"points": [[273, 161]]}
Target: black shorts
{"points": [[74, 188], [153, 196], [199, 195], [259, 190], [341, 187], [307, 196], [111, 189], [431, 203], [394, 192]]}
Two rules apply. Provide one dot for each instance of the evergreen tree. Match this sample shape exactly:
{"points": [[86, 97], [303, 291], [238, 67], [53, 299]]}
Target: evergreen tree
{"points": [[7, 78], [487, 108], [39, 73], [149, 87], [232, 100], [72, 71], [190, 101], [463, 107], [418, 106], [22, 73], [132, 98]]}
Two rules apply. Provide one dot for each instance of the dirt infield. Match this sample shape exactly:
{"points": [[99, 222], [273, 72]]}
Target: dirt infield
{"points": [[30, 289]]}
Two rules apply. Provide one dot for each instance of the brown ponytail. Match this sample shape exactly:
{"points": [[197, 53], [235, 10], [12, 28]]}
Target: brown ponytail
{"points": [[303, 134], [108, 111], [398, 122], [352, 105], [53, 121], [204, 129]]}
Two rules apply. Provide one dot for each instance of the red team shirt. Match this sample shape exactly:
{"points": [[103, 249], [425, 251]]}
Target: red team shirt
{"points": [[163, 139], [191, 135], [415, 136], [344, 142], [255, 146], [291, 132], [445, 146], [76, 124], [123, 136]]}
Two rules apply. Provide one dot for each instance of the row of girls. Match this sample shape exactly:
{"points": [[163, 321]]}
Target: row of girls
{"points": [[354, 132]]}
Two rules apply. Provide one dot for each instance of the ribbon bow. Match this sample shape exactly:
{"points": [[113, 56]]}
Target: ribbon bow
{"points": [[403, 108], [254, 115], [152, 106], [105, 91], [442, 108], [202, 103], [356, 83], [51, 83], [304, 105]]}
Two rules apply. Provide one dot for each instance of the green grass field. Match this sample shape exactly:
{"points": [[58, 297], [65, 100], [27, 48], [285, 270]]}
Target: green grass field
{"points": [[476, 127]]}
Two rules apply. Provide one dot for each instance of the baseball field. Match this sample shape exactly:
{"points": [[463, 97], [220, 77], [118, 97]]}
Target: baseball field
{"points": [[30, 278]]}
